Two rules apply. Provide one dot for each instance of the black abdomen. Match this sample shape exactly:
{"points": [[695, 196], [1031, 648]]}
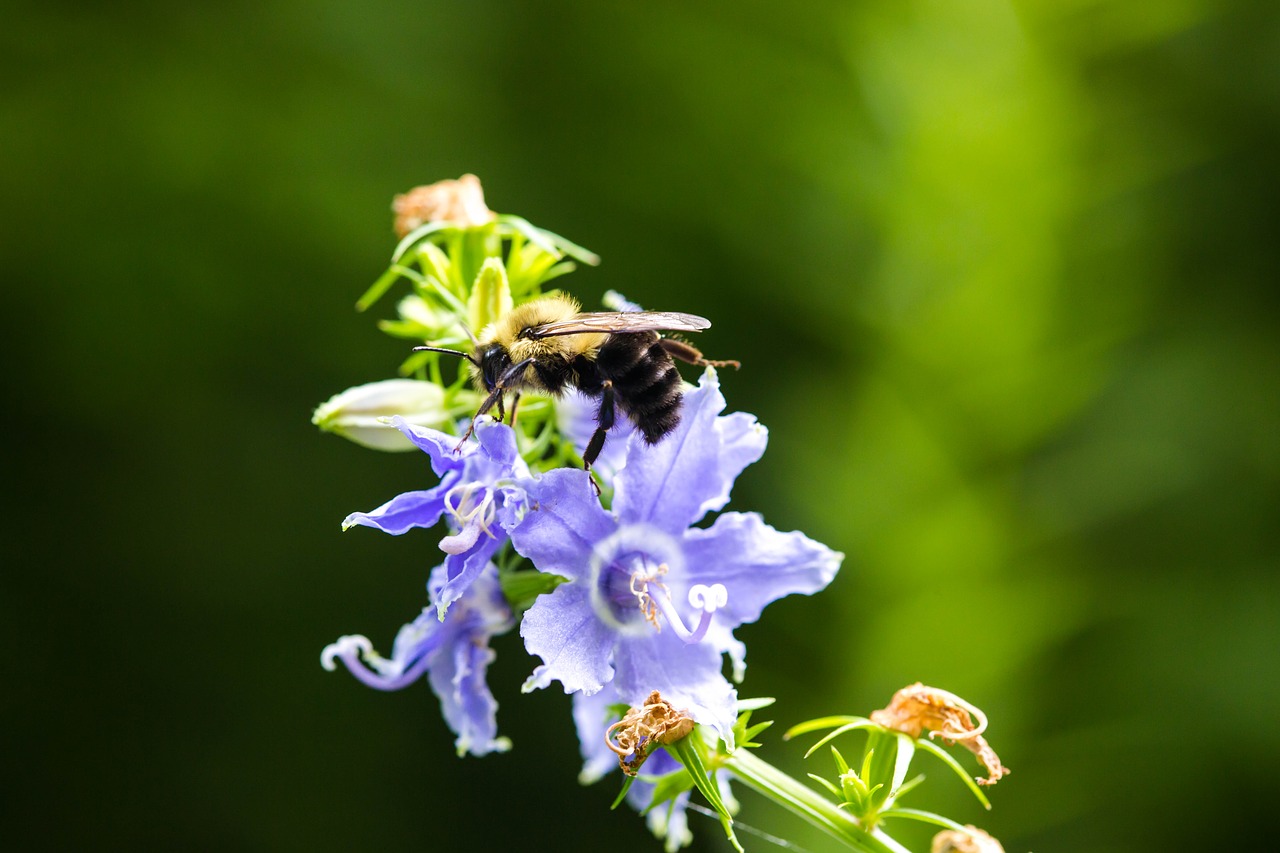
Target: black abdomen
{"points": [[646, 384]]}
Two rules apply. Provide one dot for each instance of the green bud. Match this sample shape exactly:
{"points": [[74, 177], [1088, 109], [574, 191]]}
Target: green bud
{"points": [[362, 414], [491, 296]]}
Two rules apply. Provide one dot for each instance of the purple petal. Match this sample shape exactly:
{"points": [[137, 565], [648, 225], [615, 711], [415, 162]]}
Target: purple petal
{"points": [[409, 510], [687, 675], [563, 523], [756, 563], [689, 473], [497, 441], [592, 717], [562, 628], [462, 570], [458, 678], [436, 444]]}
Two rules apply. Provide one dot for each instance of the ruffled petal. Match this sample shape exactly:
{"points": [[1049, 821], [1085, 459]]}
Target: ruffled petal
{"points": [[677, 481], [437, 445], [562, 524], [461, 570], [592, 717], [756, 564], [497, 441], [562, 628], [403, 512], [457, 676], [686, 674]]}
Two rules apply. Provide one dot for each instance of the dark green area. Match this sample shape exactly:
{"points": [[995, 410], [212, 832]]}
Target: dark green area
{"points": [[1003, 280]]}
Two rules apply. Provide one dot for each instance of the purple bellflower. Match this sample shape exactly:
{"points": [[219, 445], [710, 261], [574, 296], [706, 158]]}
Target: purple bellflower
{"points": [[480, 493], [454, 654], [651, 602]]}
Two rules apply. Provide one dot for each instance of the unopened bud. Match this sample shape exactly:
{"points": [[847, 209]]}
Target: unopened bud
{"points": [[362, 413]]}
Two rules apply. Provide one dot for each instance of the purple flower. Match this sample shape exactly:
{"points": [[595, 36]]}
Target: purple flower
{"points": [[652, 602], [480, 494], [454, 654]]}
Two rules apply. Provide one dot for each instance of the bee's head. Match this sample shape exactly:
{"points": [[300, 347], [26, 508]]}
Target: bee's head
{"points": [[494, 362]]}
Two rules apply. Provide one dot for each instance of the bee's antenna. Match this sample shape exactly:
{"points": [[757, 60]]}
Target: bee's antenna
{"points": [[456, 352]]}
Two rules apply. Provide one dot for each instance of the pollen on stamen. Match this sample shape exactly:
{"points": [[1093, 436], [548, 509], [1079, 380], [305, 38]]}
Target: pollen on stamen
{"points": [[646, 601]]}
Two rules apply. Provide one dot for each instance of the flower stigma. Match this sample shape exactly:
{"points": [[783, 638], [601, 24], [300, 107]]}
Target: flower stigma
{"points": [[355, 649]]}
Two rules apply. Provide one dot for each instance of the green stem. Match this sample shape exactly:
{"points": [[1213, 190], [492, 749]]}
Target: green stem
{"points": [[802, 800]]}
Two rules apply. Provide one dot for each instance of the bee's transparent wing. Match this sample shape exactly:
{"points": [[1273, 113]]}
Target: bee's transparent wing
{"points": [[625, 322]]}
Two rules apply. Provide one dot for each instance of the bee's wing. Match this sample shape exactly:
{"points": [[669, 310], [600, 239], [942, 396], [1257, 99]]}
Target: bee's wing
{"points": [[621, 322]]}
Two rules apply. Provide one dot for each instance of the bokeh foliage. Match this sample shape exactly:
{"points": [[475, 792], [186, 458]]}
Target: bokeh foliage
{"points": [[1002, 277]]}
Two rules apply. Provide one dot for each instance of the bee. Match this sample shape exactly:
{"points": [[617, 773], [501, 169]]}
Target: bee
{"points": [[548, 345]]}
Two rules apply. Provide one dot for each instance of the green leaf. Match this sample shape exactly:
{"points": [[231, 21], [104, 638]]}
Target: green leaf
{"points": [[416, 235], [848, 727], [929, 746], [821, 723], [548, 240], [524, 586], [923, 817], [755, 704], [627, 782], [686, 752], [668, 787], [379, 287], [835, 792]]}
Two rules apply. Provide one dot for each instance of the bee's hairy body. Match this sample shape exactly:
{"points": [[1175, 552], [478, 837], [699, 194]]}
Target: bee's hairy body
{"points": [[633, 368]]}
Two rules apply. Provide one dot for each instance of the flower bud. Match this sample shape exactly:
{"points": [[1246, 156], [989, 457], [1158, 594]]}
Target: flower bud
{"points": [[362, 413]]}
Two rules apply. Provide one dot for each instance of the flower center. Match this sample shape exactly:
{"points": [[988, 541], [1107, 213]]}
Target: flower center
{"points": [[629, 594], [471, 503]]}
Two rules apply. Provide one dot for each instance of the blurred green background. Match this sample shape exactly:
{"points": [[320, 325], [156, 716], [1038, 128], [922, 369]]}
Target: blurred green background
{"points": [[1002, 277]]}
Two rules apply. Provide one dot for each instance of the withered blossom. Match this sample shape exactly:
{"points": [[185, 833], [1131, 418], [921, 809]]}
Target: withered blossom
{"points": [[972, 840], [917, 708], [460, 202], [655, 723]]}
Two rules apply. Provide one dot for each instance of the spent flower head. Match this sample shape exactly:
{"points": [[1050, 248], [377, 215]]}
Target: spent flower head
{"points": [[460, 202], [916, 709]]}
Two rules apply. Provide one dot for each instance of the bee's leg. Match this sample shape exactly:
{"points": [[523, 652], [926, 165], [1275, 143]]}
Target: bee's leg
{"points": [[690, 354], [501, 414], [495, 396], [604, 421]]}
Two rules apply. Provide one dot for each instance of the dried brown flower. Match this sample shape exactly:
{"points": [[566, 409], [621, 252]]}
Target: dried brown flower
{"points": [[916, 709], [972, 840], [460, 202], [654, 723]]}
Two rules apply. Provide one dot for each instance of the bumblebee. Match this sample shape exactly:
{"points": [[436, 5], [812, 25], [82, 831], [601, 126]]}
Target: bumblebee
{"points": [[548, 345]]}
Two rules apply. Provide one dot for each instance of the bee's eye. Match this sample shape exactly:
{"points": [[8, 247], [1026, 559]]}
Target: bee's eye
{"points": [[493, 362]]}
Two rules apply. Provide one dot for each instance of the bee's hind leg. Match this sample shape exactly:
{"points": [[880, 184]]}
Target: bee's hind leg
{"points": [[604, 421], [690, 354]]}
